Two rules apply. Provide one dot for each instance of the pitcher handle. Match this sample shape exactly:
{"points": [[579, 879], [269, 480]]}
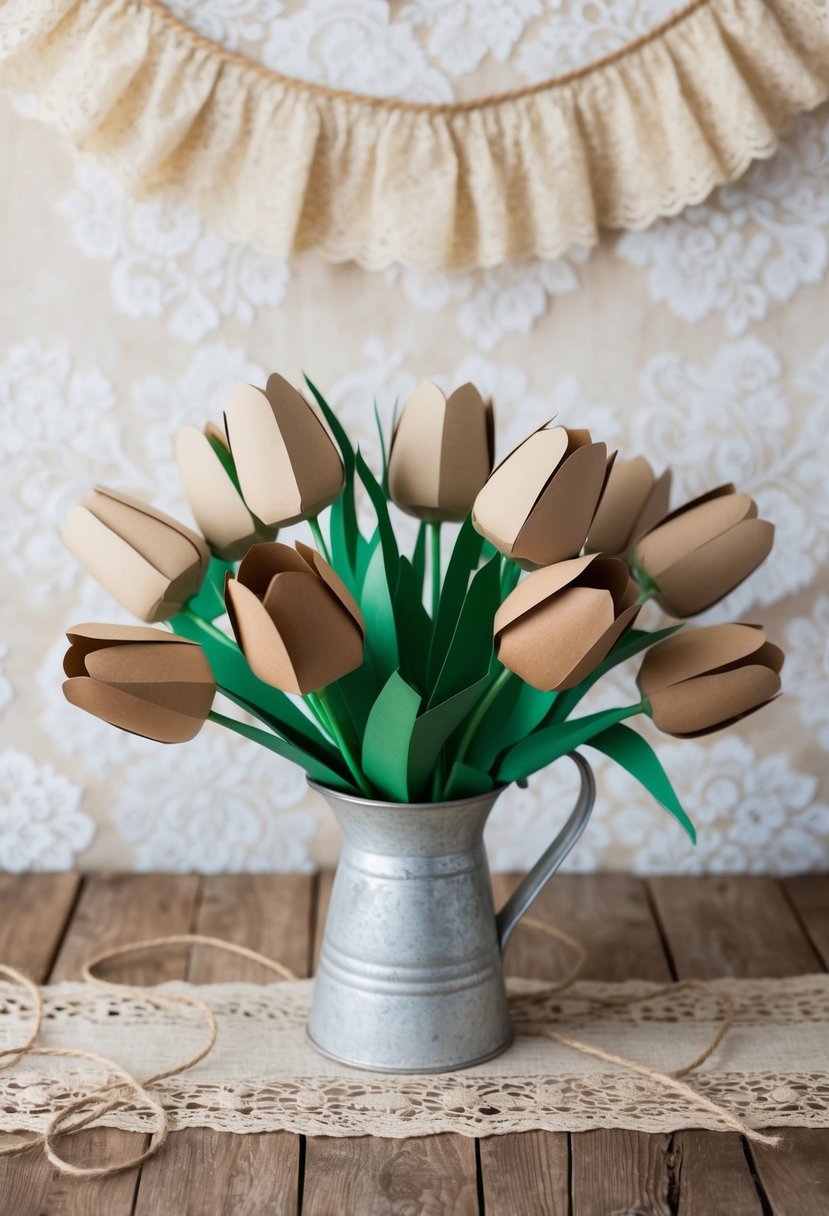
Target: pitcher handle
{"points": [[543, 870]]}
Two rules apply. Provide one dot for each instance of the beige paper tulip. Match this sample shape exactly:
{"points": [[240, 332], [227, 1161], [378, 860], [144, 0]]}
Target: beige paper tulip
{"points": [[702, 551], [539, 503], [700, 680], [559, 623], [296, 622], [204, 466], [144, 681], [441, 453], [287, 464], [151, 564], [633, 502]]}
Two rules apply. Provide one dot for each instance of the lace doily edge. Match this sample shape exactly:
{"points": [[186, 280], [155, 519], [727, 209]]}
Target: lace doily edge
{"points": [[638, 136]]}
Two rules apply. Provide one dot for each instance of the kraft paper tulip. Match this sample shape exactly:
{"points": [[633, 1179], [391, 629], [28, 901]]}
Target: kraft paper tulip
{"points": [[441, 453], [559, 623], [633, 502], [287, 464], [207, 477], [539, 503], [151, 564], [295, 621], [701, 680], [703, 550], [142, 680]]}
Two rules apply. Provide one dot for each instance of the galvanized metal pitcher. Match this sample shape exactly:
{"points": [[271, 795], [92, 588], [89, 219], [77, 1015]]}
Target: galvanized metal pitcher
{"points": [[410, 976]]}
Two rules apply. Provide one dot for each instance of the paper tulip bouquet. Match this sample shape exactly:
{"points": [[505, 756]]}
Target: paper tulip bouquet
{"points": [[417, 676]]}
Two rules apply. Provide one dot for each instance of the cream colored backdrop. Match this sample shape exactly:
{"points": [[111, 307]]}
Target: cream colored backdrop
{"points": [[703, 342]]}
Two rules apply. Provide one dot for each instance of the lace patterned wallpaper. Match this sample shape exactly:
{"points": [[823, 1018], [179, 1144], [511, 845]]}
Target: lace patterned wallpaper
{"points": [[700, 342]]}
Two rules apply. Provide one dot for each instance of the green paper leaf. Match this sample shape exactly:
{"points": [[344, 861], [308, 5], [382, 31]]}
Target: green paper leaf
{"points": [[550, 742], [414, 626], [516, 712], [313, 767], [419, 557], [388, 541], [470, 649], [637, 756], [462, 562], [384, 456], [432, 730], [344, 529], [628, 645], [385, 758], [465, 781], [378, 610]]}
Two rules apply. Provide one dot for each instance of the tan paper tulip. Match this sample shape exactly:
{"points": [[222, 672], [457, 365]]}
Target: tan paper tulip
{"points": [[703, 550], [701, 680], [442, 452], [296, 622], [151, 564], [634, 501], [539, 503], [287, 464], [559, 623], [214, 498], [144, 681]]}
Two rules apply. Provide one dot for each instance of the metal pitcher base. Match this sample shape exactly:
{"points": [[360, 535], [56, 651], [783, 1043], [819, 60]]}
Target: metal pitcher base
{"points": [[366, 1066]]}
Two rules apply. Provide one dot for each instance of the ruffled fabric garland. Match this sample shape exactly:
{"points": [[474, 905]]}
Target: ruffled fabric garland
{"points": [[288, 166]]}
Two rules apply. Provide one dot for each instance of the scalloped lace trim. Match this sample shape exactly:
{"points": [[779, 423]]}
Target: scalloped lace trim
{"points": [[288, 166], [771, 1070]]}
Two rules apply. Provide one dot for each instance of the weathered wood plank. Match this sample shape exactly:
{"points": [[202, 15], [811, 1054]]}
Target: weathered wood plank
{"points": [[795, 1176], [528, 1168], [33, 913], [712, 1175], [114, 910], [205, 1173], [809, 894], [362, 1176], [270, 913], [208, 1173], [744, 926], [740, 925]]}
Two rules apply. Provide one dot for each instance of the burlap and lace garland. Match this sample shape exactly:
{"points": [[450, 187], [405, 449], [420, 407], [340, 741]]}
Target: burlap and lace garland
{"points": [[288, 165], [772, 1068]]}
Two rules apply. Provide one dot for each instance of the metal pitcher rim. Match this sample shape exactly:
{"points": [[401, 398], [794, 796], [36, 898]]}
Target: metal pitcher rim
{"points": [[378, 804]]}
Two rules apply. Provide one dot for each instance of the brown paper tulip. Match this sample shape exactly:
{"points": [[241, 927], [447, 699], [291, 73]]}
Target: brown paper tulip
{"points": [[287, 464], [634, 501], [700, 680], [703, 550], [144, 681], [204, 465], [442, 452], [295, 620], [559, 623], [538, 504], [151, 564]]}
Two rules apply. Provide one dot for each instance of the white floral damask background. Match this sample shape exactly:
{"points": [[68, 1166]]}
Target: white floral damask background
{"points": [[702, 342]]}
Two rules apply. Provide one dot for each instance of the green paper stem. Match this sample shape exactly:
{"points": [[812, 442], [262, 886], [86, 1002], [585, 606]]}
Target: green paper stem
{"points": [[316, 531], [434, 539], [480, 711], [320, 701], [289, 751], [213, 631]]}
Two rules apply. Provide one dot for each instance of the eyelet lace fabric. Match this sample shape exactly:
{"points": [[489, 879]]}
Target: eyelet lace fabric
{"points": [[287, 165], [771, 1070]]}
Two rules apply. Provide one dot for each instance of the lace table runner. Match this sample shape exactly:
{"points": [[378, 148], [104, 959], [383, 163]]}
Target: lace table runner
{"points": [[771, 1069]]}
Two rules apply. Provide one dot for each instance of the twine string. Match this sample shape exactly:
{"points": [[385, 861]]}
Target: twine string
{"points": [[122, 1089]]}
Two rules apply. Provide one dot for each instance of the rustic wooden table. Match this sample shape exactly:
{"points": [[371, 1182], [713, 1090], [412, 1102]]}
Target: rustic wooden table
{"points": [[680, 927]]}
